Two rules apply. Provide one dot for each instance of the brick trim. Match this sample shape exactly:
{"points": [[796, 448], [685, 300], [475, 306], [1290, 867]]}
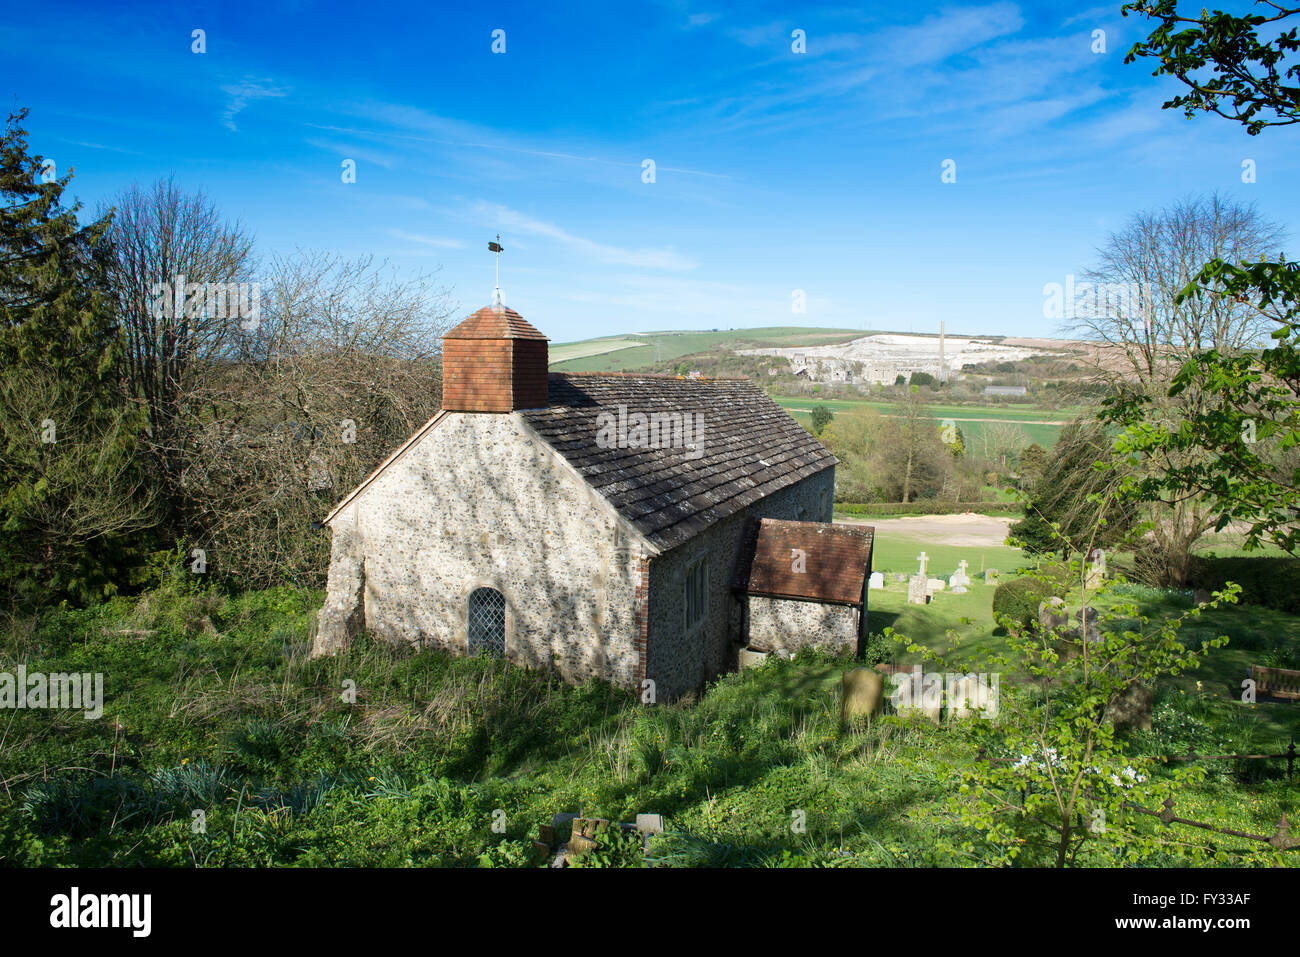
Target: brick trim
{"points": [[640, 641]]}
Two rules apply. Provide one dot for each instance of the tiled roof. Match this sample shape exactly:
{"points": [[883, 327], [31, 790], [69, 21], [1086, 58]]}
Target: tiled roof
{"points": [[492, 322], [833, 566], [748, 448]]}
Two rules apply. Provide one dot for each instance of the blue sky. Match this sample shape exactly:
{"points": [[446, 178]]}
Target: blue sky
{"points": [[774, 170]]}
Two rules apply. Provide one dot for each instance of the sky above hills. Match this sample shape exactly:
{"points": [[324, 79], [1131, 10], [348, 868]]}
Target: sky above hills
{"points": [[775, 171]]}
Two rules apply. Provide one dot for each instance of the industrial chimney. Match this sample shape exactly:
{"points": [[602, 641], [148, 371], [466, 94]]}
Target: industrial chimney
{"points": [[943, 366]]}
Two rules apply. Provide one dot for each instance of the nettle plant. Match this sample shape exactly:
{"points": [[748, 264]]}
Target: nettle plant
{"points": [[1054, 785]]}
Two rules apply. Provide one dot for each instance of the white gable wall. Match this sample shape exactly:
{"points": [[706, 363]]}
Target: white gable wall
{"points": [[478, 502]]}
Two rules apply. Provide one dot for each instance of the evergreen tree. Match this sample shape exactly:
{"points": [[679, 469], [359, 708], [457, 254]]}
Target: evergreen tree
{"points": [[1064, 510], [67, 500], [821, 417]]}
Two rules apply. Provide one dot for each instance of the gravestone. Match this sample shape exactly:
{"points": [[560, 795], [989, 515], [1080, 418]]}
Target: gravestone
{"points": [[1096, 568], [1132, 709], [751, 659], [1087, 618], [916, 692], [899, 577], [649, 824], [960, 578], [991, 576], [957, 590], [933, 585], [877, 580], [862, 693], [1201, 596], [916, 590], [1052, 614], [968, 695]]}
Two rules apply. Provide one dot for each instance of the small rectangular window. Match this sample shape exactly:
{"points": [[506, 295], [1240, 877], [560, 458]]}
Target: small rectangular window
{"points": [[696, 598]]}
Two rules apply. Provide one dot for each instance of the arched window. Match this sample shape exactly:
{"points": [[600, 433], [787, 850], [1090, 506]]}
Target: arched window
{"points": [[487, 622]]}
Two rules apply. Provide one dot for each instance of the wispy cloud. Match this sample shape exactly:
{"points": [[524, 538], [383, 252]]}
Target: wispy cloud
{"points": [[646, 258], [242, 93], [352, 151], [427, 240], [409, 124]]}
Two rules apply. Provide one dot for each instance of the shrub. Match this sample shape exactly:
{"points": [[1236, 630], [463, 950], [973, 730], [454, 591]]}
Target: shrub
{"points": [[1019, 599], [1058, 575], [1035, 535], [927, 507], [1271, 582]]}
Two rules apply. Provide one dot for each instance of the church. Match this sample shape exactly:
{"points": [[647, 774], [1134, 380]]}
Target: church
{"points": [[651, 531]]}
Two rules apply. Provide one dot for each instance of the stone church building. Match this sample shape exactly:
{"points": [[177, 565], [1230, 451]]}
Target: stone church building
{"points": [[631, 527]]}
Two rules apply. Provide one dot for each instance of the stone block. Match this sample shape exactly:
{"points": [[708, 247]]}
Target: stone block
{"points": [[916, 590], [862, 693], [650, 823], [1132, 709], [1052, 614]]}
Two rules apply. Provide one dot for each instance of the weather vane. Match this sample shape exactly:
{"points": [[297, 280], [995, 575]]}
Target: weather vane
{"points": [[496, 247]]}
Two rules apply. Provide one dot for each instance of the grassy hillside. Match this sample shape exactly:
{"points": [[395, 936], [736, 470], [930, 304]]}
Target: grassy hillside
{"points": [[613, 355], [211, 706], [1038, 424], [590, 347]]}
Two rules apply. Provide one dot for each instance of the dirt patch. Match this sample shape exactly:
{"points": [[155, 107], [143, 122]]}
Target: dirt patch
{"points": [[979, 531]]}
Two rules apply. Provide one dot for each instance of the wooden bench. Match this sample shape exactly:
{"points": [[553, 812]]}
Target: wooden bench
{"points": [[1276, 682]]}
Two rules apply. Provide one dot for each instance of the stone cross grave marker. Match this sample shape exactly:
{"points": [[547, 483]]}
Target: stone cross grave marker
{"points": [[923, 558], [1096, 568]]}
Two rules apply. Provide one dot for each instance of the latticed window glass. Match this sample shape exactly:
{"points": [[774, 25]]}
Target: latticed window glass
{"points": [[487, 622], [697, 592]]}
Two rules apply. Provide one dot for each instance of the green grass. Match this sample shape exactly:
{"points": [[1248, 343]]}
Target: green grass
{"points": [[590, 347], [898, 552], [211, 705], [1037, 424], [654, 347], [1013, 413]]}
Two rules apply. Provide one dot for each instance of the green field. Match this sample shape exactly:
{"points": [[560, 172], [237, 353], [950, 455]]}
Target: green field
{"points": [[590, 347], [897, 552], [1038, 424], [653, 347]]}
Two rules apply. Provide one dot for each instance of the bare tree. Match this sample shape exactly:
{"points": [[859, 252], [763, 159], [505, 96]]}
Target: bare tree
{"points": [[342, 368], [1002, 441], [910, 458], [173, 259], [1130, 306]]}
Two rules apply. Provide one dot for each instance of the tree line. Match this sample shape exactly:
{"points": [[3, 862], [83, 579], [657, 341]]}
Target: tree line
{"points": [[169, 395]]}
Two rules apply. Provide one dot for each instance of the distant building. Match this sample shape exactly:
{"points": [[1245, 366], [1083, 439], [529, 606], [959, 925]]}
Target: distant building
{"points": [[1004, 390]]}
